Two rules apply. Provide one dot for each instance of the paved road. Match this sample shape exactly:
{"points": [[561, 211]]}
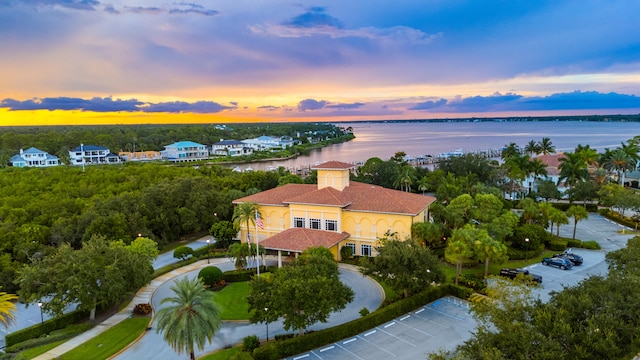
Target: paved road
{"points": [[367, 294]]}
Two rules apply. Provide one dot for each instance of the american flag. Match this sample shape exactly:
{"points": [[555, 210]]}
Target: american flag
{"points": [[259, 222]]}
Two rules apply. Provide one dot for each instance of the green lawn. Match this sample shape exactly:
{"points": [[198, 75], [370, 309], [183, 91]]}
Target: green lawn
{"points": [[34, 352], [222, 354], [233, 301], [110, 341]]}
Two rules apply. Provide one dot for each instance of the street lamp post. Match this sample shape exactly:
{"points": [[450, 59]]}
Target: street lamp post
{"points": [[41, 316], [526, 252], [208, 241], [267, 321]]}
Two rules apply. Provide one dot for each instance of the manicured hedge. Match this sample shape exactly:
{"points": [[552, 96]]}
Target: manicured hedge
{"points": [[48, 326], [280, 349], [557, 245]]}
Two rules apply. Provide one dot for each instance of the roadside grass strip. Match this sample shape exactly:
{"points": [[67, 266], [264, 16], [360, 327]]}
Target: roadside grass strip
{"points": [[109, 342]]}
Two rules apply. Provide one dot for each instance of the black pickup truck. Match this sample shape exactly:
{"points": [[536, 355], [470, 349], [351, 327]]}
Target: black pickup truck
{"points": [[512, 273]]}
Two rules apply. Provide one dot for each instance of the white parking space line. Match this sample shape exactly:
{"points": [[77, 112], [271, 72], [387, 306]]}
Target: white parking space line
{"points": [[418, 330], [370, 332], [354, 354], [397, 337], [419, 311], [348, 341], [405, 318], [379, 347], [393, 323], [301, 357], [327, 348]]}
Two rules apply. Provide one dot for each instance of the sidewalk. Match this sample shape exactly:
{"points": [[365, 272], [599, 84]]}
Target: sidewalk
{"points": [[142, 296]]}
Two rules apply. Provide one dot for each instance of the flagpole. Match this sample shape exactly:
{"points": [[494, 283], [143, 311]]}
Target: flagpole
{"points": [[257, 243]]}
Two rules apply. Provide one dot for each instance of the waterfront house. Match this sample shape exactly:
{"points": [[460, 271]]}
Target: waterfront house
{"points": [[92, 155], [231, 148], [140, 155], [552, 165], [33, 157], [183, 151], [334, 213], [263, 143]]}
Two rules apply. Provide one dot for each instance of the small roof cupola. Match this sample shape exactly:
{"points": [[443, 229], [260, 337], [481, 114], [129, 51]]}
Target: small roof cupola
{"points": [[334, 174]]}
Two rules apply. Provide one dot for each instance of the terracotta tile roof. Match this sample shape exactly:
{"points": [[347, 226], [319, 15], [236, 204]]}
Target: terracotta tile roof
{"points": [[551, 160], [355, 197], [333, 165], [300, 239]]}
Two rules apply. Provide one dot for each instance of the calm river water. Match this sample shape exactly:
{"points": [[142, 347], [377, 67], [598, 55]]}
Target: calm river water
{"points": [[384, 139]]}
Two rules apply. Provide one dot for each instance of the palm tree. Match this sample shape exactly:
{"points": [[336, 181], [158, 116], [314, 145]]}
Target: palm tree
{"points": [[620, 162], [532, 148], [405, 178], [558, 217], [573, 169], [510, 150], [578, 213], [245, 214], [193, 318], [546, 147], [7, 309]]}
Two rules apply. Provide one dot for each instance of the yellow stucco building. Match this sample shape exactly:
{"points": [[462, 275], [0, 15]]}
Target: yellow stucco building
{"points": [[334, 213]]}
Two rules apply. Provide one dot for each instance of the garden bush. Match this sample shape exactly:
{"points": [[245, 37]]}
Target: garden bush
{"points": [[574, 243], [557, 245], [249, 343], [210, 275], [56, 335], [591, 245], [182, 252], [45, 328], [142, 309]]}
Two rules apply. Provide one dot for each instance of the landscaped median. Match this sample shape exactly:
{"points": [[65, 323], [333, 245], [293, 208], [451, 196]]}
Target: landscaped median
{"points": [[297, 345]]}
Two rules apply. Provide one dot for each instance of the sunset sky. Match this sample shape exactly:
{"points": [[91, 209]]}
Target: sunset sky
{"points": [[148, 61]]}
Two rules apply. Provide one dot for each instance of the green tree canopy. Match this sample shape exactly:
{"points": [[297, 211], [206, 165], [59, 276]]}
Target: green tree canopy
{"points": [[404, 265]]}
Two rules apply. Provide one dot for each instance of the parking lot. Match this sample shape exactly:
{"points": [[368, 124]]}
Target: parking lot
{"points": [[440, 324], [448, 322]]}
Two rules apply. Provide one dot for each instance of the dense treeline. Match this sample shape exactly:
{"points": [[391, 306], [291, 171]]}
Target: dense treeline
{"points": [[58, 140], [44, 208]]}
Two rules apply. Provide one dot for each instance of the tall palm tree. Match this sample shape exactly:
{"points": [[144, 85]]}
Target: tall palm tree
{"points": [[546, 147], [573, 169], [510, 150], [620, 162], [578, 213], [532, 148], [193, 318], [245, 214], [7, 309], [406, 178], [558, 217]]}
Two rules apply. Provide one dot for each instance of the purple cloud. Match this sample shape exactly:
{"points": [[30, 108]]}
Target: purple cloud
{"points": [[345, 106], [311, 104]]}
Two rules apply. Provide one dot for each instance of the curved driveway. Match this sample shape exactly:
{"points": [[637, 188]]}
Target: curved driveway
{"points": [[152, 346]]}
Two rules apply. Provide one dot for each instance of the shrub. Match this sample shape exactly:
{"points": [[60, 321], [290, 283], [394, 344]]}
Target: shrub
{"points": [[210, 275], [574, 243], [346, 252], [364, 311], [249, 343], [142, 309], [48, 326], [56, 335], [182, 252], [238, 275], [557, 245], [591, 245]]}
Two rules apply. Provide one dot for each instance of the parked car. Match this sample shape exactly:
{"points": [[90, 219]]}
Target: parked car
{"points": [[562, 263], [574, 258], [513, 273]]}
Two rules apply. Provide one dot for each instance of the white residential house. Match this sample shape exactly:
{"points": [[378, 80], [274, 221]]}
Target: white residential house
{"points": [[184, 151], [92, 155], [270, 142], [552, 162], [231, 148], [33, 157]]}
